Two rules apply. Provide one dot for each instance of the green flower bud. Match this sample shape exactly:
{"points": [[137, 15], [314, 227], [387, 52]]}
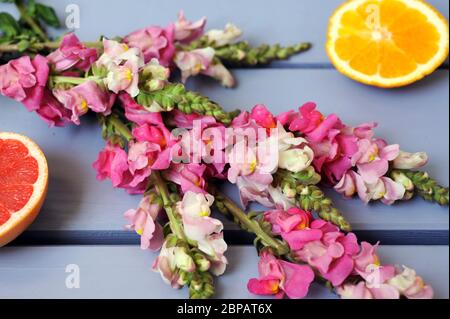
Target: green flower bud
{"points": [[289, 191], [184, 278], [202, 262], [402, 179]]}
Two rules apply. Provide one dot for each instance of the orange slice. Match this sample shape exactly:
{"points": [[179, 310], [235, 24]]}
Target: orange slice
{"points": [[23, 184], [387, 43]]}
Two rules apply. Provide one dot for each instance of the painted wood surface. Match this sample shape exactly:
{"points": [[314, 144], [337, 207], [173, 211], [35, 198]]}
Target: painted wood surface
{"points": [[80, 210], [125, 272]]}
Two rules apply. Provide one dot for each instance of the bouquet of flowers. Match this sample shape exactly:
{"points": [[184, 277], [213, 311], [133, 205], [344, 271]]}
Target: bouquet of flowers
{"points": [[174, 147]]}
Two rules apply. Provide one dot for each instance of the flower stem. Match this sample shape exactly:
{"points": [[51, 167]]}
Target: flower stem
{"points": [[30, 21], [73, 80], [47, 45], [161, 187], [120, 128], [250, 225]]}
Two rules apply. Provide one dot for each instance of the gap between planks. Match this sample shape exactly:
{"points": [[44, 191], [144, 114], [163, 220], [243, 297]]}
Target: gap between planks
{"points": [[233, 237]]}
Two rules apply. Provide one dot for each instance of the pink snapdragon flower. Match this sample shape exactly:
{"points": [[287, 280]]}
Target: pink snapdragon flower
{"points": [[122, 65], [150, 150], [137, 113], [375, 276], [320, 244], [194, 62], [410, 285], [187, 121], [372, 159], [190, 177], [263, 146], [84, 97], [141, 157], [293, 153], [113, 163], [390, 283], [143, 222], [306, 121], [278, 277], [337, 257], [332, 253], [251, 174], [154, 42], [170, 261], [160, 141], [362, 290], [187, 31], [384, 189], [288, 223], [203, 142], [263, 117], [124, 78], [201, 61], [72, 54], [204, 230], [53, 112], [352, 159], [24, 80]]}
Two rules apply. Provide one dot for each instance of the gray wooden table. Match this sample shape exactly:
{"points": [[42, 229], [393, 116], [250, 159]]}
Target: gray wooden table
{"points": [[82, 223]]}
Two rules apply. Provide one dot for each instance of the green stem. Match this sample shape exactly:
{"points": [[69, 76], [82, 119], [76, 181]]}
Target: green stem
{"points": [[121, 128], [161, 186], [250, 225], [73, 80], [48, 45], [30, 21]]}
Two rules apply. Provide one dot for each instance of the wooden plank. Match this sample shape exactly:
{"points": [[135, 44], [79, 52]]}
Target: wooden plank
{"points": [[286, 21], [124, 272], [417, 117]]}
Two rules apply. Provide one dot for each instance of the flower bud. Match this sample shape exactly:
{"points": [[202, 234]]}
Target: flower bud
{"points": [[401, 178], [183, 261], [296, 160], [183, 278], [408, 195], [303, 190], [202, 262], [407, 160], [196, 284], [289, 191], [224, 37]]}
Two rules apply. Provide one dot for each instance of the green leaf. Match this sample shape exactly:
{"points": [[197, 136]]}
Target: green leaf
{"points": [[7, 1], [8, 25], [31, 8], [48, 15], [24, 45]]}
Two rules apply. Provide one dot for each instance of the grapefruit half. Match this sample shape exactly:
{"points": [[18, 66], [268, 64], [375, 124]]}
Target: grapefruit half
{"points": [[23, 184]]}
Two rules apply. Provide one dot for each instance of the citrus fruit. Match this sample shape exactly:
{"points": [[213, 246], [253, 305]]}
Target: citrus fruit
{"points": [[23, 184], [387, 43]]}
